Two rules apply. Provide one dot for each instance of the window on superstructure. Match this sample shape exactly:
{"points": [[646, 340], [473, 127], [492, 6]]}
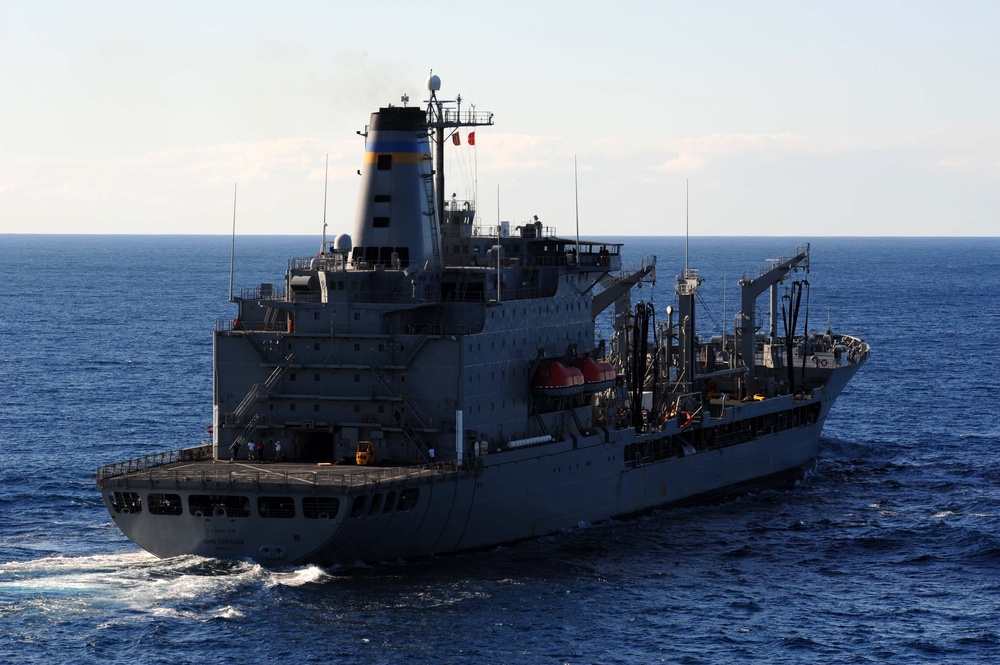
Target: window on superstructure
{"points": [[380, 222], [383, 198], [315, 377], [383, 162]]}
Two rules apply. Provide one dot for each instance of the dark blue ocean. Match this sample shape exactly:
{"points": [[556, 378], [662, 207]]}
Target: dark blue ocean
{"points": [[888, 553]]}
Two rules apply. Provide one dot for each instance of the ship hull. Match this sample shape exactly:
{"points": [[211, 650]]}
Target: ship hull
{"points": [[508, 497]]}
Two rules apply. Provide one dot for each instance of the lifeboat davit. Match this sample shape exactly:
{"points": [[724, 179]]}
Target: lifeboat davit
{"points": [[554, 379], [597, 375]]}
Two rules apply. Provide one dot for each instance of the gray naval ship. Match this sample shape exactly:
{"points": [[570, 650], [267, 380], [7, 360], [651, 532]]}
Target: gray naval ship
{"points": [[428, 384]]}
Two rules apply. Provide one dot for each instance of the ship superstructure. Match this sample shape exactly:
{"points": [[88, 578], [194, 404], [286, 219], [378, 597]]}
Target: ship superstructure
{"points": [[428, 384]]}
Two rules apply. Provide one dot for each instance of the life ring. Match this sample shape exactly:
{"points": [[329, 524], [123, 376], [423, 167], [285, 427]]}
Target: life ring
{"points": [[685, 419], [823, 362]]}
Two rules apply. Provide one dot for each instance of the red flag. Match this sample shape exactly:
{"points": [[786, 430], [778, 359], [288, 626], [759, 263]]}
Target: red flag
{"points": [[472, 138], [455, 139]]}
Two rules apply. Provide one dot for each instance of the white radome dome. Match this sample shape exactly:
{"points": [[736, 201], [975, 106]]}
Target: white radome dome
{"points": [[342, 243]]}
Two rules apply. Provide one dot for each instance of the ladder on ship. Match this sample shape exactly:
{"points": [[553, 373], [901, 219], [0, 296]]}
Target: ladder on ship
{"points": [[406, 428], [259, 391], [248, 431], [271, 319], [256, 346], [428, 182], [425, 333]]}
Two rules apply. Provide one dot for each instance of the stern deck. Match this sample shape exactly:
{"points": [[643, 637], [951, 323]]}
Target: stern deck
{"points": [[193, 468]]}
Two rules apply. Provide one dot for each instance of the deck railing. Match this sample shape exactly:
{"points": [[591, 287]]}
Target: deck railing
{"points": [[252, 477], [194, 453]]}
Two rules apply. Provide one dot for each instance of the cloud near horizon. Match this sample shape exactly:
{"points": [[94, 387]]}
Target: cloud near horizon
{"points": [[188, 189]]}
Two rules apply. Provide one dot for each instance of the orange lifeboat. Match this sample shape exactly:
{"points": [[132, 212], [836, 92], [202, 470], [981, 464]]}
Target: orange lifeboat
{"points": [[554, 379], [597, 375]]}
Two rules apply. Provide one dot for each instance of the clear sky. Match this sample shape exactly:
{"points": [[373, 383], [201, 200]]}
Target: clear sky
{"points": [[786, 118]]}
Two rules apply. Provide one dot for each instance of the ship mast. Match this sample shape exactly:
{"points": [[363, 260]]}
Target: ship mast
{"points": [[439, 119], [750, 288]]}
